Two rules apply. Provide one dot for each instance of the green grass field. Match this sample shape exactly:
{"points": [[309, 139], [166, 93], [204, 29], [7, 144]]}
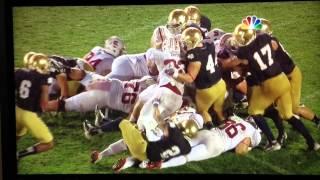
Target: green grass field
{"points": [[73, 31]]}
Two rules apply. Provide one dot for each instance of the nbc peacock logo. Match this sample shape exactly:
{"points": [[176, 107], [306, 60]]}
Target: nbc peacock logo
{"points": [[252, 22]]}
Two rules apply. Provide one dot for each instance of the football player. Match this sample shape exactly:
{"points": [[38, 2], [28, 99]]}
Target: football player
{"points": [[202, 69], [130, 66], [294, 75], [101, 58], [173, 143], [167, 38], [111, 93], [66, 74], [258, 53], [31, 85], [194, 16], [235, 134], [168, 91]]}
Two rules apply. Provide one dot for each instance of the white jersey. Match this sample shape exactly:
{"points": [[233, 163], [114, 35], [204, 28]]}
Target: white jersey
{"points": [[170, 43], [100, 60], [164, 61], [90, 77], [234, 131], [169, 92], [127, 67], [211, 143], [111, 93]]}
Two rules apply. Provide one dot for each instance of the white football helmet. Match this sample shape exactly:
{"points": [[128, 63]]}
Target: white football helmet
{"points": [[115, 46]]}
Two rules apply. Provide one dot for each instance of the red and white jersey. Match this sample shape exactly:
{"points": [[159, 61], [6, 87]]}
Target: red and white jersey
{"points": [[111, 93], [97, 55], [234, 131], [164, 61], [169, 42]]}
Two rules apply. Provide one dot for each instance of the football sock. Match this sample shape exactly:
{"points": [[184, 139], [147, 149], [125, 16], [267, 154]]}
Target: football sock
{"points": [[274, 115], [299, 126], [111, 125], [95, 131], [262, 124], [28, 151], [114, 148]]}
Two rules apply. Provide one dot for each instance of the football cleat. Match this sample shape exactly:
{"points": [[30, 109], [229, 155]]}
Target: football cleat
{"points": [[95, 157], [98, 116], [282, 139], [315, 147], [274, 146], [122, 164], [154, 165], [87, 127]]}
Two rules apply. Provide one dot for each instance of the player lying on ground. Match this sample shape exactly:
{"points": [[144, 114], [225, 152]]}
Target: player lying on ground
{"points": [[236, 134], [172, 144], [102, 58], [119, 95]]}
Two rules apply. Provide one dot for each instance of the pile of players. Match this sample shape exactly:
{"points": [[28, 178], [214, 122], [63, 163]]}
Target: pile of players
{"points": [[176, 102]]}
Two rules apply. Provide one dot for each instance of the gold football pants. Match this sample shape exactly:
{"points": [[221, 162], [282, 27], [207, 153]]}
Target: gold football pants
{"points": [[30, 121], [214, 95], [275, 89], [133, 138]]}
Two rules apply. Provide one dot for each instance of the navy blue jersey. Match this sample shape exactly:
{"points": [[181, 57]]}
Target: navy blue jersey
{"points": [[283, 58], [28, 89], [59, 64], [209, 73], [166, 148], [261, 57]]}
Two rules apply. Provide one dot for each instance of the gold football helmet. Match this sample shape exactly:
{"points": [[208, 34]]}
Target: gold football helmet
{"points": [[27, 59], [189, 128], [243, 34], [40, 62], [191, 37], [193, 14], [177, 20], [266, 26]]}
